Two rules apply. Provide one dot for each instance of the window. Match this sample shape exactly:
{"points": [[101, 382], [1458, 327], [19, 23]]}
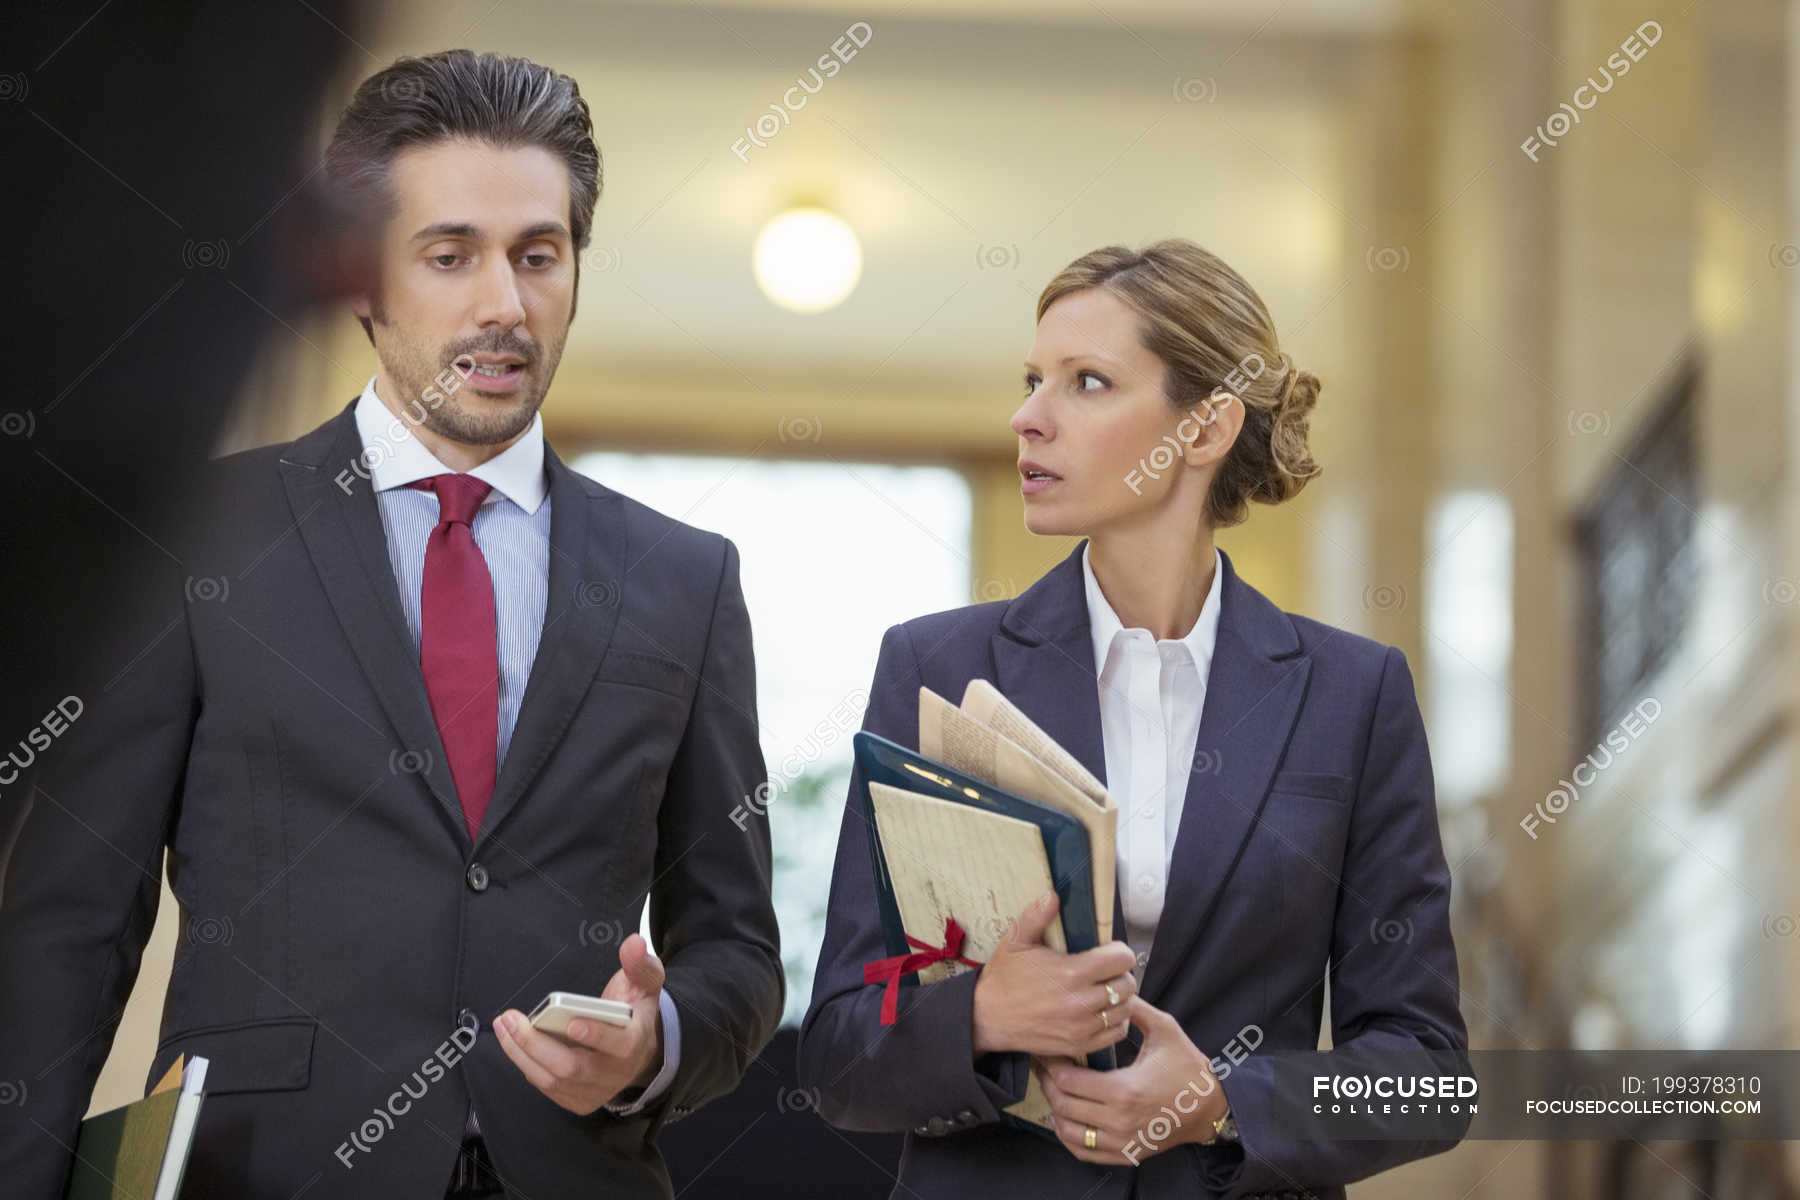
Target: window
{"points": [[832, 554], [1638, 560], [1468, 615]]}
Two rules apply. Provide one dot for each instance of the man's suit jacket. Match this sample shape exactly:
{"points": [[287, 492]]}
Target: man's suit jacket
{"points": [[1309, 829], [265, 718]]}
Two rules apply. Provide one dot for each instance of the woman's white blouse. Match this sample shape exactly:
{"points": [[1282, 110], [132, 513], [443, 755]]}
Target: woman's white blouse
{"points": [[1151, 695]]}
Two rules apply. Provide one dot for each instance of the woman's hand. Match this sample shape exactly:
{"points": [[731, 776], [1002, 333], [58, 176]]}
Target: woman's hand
{"points": [[1166, 1097], [1032, 998]]}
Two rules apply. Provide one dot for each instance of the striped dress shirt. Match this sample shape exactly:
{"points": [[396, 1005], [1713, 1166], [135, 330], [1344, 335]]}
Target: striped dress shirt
{"points": [[512, 531]]}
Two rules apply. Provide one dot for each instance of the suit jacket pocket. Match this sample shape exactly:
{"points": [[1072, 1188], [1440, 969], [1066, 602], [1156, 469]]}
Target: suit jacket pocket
{"points": [[645, 670], [1316, 784], [246, 1056]]}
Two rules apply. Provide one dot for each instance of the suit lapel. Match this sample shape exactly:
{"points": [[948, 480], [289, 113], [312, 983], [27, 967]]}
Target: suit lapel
{"points": [[587, 578], [335, 510], [1253, 694], [1044, 663]]}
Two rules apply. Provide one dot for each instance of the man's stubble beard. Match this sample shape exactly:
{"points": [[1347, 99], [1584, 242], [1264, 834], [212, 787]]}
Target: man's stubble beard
{"points": [[454, 421], [451, 418]]}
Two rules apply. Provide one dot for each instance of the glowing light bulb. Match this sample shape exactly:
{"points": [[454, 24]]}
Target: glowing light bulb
{"points": [[807, 260]]}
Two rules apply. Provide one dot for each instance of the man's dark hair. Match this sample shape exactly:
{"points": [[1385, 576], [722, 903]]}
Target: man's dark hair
{"points": [[501, 100]]}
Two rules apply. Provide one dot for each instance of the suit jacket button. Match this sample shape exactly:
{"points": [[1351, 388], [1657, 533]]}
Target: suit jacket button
{"points": [[938, 1126], [478, 877], [922, 1130], [466, 1019], [966, 1117]]}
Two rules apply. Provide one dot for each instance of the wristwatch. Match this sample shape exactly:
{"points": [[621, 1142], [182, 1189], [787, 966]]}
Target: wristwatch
{"points": [[1225, 1128]]}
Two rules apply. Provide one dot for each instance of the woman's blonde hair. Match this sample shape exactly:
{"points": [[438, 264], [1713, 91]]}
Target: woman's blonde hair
{"points": [[1213, 332]]}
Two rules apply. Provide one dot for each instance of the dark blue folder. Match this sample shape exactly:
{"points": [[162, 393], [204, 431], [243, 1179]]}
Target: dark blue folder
{"points": [[879, 760]]}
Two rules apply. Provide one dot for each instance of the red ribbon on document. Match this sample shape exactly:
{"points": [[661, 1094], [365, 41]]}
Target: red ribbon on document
{"points": [[891, 969]]}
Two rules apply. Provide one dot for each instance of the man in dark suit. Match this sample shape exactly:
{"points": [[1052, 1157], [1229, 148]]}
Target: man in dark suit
{"points": [[422, 718], [1309, 835]]}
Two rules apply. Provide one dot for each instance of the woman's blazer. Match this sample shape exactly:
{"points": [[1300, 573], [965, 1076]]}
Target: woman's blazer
{"points": [[1308, 841]]}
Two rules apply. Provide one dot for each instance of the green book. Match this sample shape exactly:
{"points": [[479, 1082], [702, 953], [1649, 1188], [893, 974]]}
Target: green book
{"points": [[140, 1150]]}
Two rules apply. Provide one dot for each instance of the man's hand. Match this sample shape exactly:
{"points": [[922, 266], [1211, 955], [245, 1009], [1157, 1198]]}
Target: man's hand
{"points": [[1167, 1096], [596, 1061]]}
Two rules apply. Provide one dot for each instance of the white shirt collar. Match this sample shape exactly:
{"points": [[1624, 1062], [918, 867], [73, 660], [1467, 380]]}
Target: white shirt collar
{"points": [[397, 458], [1105, 625]]}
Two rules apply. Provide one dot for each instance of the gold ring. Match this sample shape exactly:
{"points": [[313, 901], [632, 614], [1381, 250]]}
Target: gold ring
{"points": [[1091, 1138], [1112, 997], [1105, 1020]]}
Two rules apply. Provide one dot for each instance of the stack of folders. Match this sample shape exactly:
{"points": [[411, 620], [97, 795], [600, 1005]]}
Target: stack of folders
{"points": [[987, 816], [140, 1150]]}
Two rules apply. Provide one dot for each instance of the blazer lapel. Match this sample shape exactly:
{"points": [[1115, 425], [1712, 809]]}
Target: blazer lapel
{"points": [[1253, 694], [335, 510], [587, 577], [1044, 663]]}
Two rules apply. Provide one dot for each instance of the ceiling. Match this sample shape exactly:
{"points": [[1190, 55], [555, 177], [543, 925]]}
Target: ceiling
{"points": [[1311, 16], [975, 148]]}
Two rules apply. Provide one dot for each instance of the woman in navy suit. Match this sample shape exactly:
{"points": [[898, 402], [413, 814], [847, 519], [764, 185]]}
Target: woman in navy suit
{"points": [[1276, 809]]}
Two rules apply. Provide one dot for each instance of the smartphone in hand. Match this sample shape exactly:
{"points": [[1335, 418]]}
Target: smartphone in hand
{"points": [[554, 1012]]}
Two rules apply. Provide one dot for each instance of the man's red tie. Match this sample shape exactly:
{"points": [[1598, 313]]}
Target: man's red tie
{"points": [[458, 653]]}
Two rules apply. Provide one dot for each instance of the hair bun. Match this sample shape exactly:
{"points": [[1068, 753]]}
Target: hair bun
{"points": [[1288, 434], [1299, 391]]}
